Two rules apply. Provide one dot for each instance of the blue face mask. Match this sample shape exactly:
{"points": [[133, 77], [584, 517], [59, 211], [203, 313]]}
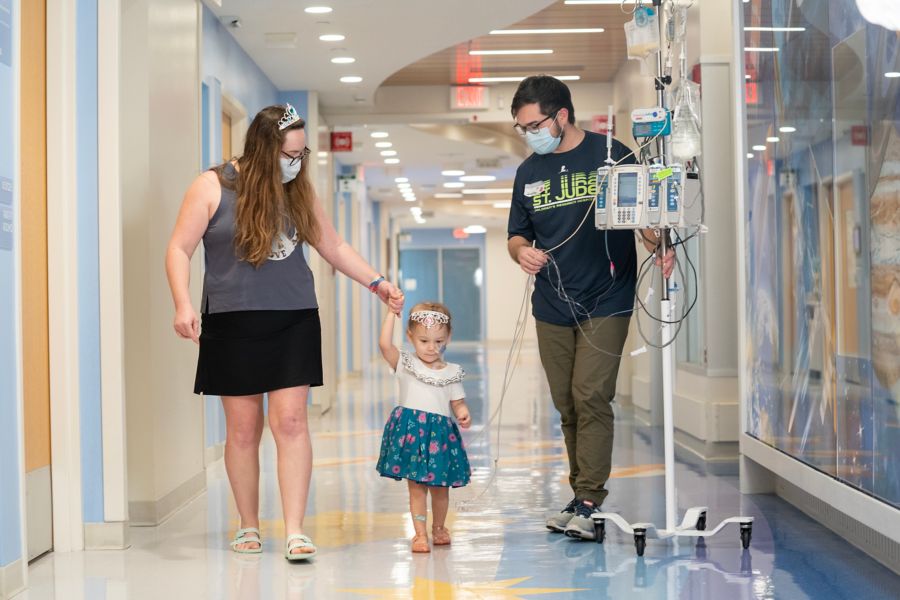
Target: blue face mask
{"points": [[542, 141], [289, 171]]}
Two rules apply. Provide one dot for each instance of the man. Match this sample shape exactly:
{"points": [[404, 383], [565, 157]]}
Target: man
{"points": [[554, 189]]}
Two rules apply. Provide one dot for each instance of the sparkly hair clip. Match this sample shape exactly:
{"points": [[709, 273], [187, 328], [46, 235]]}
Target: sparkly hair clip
{"points": [[290, 117], [429, 318]]}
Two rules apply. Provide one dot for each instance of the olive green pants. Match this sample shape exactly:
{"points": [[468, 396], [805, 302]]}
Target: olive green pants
{"points": [[583, 384]]}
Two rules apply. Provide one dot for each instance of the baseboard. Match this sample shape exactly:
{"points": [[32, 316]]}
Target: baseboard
{"points": [[106, 536], [12, 579], [213, 453], [872, 542], [152, 513], [707, 451]]}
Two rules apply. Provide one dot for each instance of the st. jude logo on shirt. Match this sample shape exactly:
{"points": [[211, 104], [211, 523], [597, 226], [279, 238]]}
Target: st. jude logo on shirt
{"points": [[573, 187]]}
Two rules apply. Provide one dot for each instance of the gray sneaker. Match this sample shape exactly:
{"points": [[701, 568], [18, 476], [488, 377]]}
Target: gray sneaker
{"points": [[581, 525], [557, 521]]}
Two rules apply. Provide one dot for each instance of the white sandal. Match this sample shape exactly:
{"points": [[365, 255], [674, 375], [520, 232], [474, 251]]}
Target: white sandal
{"points": [[242, 537], [298, 540]]}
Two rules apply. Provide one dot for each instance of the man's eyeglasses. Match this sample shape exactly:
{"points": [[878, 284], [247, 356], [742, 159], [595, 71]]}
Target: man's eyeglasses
{"points": [[294, 159], [532, 127]]}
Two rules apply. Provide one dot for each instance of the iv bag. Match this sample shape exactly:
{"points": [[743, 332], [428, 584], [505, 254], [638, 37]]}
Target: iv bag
{"points": [[642, 34], [686, 121]]}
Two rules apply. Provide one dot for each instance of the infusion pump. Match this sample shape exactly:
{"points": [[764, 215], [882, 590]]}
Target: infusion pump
{"points": [[639, 197]]}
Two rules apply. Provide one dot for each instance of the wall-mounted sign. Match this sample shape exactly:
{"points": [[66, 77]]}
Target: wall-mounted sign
{"points": [[341, 141]]}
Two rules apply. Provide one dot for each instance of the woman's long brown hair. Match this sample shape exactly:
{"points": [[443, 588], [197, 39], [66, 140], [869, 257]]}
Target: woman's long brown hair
{"points": [[263, 202]]}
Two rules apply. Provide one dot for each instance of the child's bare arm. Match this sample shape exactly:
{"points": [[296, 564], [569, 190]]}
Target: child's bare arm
{"points": [[386, 341], [461, 410]]}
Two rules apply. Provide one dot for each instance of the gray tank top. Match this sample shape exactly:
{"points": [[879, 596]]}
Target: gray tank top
{"points": [[283, 282]]}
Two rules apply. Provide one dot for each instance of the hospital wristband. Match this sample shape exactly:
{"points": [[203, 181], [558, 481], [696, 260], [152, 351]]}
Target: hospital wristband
{"points": [[373, 287]]}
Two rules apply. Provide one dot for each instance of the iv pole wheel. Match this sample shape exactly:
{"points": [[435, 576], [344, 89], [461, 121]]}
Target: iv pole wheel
{"points": [[746, 534], [640, 541], [600, 530], [701, 521]]}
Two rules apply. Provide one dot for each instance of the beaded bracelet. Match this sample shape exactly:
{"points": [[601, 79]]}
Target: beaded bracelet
{"points": [[373, 287]]}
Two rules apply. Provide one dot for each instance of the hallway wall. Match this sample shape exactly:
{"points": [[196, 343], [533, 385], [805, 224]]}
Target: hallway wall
{"points": [[11, 509], [160, 87]]}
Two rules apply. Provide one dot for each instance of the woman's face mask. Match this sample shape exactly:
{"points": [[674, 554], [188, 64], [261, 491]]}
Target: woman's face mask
{"points": [[542, 141], [289, 171]]}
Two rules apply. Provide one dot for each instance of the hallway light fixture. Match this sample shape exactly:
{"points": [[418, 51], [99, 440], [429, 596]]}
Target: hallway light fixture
{"points": [[774, 28], [477, 178], [759, 148], [475, 229], [760, 49], [413, 199], [773, 139], [787, 129], [506, 204], [401, 179], [454, 184], [488, 191], [749, 155], [392, 161], [332, 37], [508, 52], [892, 74], [447, 195], [389, 153], [317, 10], [517, 79], [322, 154], [351, 79], [343, 60], [379, 134], [452, 173], [383, 144], [542, 31]]}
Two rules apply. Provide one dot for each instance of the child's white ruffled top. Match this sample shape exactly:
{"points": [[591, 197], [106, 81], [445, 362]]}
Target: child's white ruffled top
{"points": [[430, 390]]}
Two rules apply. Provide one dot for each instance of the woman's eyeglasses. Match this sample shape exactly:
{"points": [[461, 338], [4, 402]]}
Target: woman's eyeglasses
{"points": [[294, 159]]}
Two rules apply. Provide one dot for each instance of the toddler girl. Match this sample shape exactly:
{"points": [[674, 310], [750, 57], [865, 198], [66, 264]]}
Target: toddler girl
{"points": [[421, 443]]}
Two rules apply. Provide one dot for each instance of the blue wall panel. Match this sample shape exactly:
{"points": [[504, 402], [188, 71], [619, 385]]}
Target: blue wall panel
{"points": [[10, 507]]}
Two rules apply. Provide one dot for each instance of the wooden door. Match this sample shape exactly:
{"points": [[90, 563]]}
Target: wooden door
{"points": [[35, 337]]}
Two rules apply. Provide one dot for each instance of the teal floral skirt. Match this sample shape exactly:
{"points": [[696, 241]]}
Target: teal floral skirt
{"points": [[423, 447]]}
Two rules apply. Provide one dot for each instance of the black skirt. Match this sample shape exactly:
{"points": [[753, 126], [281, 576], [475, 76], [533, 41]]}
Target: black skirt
{"points": [[250, 352]]}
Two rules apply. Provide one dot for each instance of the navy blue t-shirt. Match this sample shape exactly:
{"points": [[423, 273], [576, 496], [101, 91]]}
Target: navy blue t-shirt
{"points": [[551, 194]]}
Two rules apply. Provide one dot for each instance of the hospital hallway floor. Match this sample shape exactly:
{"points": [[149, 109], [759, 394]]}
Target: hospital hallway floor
{"points": [[500, 548]]}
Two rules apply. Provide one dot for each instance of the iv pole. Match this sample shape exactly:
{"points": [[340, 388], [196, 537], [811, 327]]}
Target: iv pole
{"points": [[694, 522]]}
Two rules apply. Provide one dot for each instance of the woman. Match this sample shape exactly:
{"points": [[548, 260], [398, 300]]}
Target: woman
{"points": [[261, 330]]}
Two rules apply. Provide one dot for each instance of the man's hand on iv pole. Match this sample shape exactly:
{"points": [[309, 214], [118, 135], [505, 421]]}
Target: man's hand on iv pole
{"points": [[667, 263]]}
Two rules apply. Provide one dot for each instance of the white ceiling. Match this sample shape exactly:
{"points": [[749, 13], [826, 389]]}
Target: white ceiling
{"points": [[383, 35]]}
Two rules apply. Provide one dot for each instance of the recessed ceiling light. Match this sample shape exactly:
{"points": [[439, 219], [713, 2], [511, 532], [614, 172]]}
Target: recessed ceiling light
{"points": [[343, 60], [392, 161], [317, 10], [477, 178], [351, 79], [488, 191], [413, 199], [454, 184], [773, 139], [774, 28], [475, 229], [389, 153], [452, 173], [892, 74], [509, 52], [502, 204], [379, 134], [759, 148], [383, 144], [747, 76], [322, 154], [787, 129], [749, 155], [758, 49], [404, 186], [517, 79], [332, 37], [540, 31], [401, 179], [416, 210], [448, 195]]}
